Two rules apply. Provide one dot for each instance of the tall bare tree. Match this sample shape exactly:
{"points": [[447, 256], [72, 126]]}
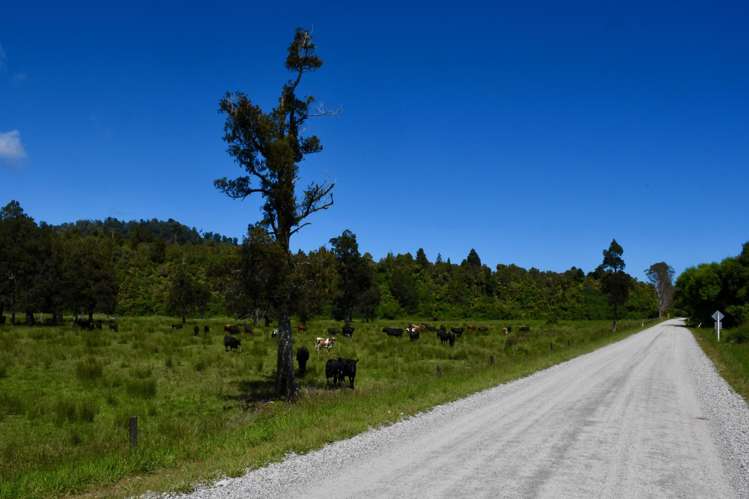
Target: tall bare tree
{"points": [[661, 276], [269, 146]]}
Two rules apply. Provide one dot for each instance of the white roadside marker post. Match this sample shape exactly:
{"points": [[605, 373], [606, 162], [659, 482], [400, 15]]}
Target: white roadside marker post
{"points": [[717, 317]]}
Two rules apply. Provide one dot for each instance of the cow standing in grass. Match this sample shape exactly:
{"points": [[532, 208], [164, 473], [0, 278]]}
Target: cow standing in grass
{"points": [[302, 356], [348, 369], [326, 343], [231, 343], [333, 372], [392, 331]]}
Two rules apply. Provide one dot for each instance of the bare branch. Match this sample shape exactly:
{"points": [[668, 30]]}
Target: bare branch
{"points": [[322, 110], [299, 227], [315, 200]]}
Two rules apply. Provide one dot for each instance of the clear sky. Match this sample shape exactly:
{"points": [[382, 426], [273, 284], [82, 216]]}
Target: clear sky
{"points": [[532, 131]]}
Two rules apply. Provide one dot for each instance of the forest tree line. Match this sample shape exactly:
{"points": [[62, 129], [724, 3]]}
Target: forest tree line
{"points": [[165, 268], [724, 286]]}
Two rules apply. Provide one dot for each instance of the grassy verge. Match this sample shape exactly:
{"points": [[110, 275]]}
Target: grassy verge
{"points": [[66, 396], [730, 356]]}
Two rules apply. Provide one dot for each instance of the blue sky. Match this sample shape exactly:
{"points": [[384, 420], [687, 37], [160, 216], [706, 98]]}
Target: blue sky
{"points": [[534, 132]]}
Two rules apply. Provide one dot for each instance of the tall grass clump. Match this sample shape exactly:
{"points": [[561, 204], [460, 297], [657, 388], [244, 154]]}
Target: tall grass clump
{"points": [[89, 369]]}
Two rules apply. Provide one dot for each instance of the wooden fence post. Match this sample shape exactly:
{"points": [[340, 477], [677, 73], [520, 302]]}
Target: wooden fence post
{"points": [[133, 432]]}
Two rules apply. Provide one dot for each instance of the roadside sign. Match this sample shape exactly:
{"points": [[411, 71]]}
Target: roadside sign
{"points": [[717, 317]]}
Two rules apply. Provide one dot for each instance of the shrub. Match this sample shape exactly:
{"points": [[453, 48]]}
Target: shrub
{"points": [[89, 369], [738, 335]]}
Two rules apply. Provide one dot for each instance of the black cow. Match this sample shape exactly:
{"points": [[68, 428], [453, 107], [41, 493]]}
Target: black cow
{"points": [[457, 331], [84, 324], [302, 356], [347, 369], [333, 371], [348, 330], [392, 331], [176, 326], [206, 329], [231, 343], [196, 331], [231, 329], [413, 335], [446, 336]]}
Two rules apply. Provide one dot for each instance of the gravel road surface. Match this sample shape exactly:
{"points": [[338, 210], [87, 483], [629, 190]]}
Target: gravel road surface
{"points": [[645, 417]]}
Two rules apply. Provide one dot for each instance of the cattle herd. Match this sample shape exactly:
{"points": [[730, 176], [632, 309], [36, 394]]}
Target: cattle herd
{"points": [[337, 370]]}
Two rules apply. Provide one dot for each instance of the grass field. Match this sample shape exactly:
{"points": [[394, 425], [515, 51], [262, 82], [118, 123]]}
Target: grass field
{"points": [[66, 396], [730, 356]]}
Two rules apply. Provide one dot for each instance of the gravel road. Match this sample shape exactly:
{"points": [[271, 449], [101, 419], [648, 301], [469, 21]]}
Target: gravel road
{"points": [[645, 417]]}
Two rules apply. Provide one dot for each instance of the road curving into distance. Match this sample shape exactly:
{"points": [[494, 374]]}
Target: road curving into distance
{"points": [[645, 417]]}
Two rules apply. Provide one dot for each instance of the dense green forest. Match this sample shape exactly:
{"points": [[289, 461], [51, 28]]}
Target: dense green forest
{"points": [[152, 267], [708, 287]]}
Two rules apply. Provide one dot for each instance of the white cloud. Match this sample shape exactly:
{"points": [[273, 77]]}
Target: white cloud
{"points": [[10, 145]]}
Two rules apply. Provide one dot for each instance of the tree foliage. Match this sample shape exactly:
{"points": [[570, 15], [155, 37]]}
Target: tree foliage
{"points": [[708, 287], [661, 276], [62, 270]]}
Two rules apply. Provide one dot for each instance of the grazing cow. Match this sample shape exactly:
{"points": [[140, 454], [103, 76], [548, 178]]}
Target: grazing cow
{"points": [[457, 331], [247, 328], [176, 326], [413, 334], [83, 324], [231, 329], [347, 370], [206, 329], [332, 331], [231, 343], [333, 371], [274, 333], [196, 331], [392, 331], [446, 336], [302, 356], [326, 343], [301, 328], [348, 330]]}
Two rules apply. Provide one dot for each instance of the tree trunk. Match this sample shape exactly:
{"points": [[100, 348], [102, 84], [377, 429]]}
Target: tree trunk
{"points": [[285, 385]]}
